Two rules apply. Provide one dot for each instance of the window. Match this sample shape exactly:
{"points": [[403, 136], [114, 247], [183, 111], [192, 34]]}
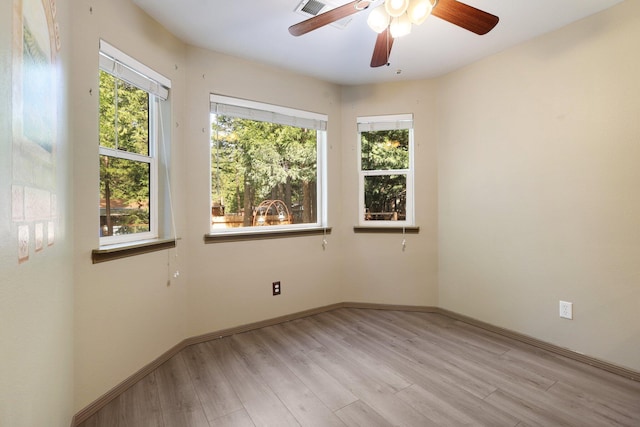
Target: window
{"points": [[267, 167], [132, 102], [386, 170]]}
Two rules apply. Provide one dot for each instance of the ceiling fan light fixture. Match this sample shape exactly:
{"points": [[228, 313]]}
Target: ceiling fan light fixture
{"points": [[419, 10], [378, 19], [400, 26], [395, 8]]}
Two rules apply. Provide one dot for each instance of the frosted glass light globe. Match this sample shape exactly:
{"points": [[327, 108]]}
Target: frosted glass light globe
{"points": [[396, 8]]}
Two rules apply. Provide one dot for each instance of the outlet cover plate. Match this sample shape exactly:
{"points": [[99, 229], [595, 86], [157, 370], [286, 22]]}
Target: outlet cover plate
{"points": [[566, 310]]}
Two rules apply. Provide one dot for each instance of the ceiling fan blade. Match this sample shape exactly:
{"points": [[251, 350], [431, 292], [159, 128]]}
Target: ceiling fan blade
{"points": [[465, 16], [329, 17], [382, 49]]}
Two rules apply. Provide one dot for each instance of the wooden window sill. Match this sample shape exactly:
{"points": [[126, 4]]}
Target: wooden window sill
{"points": [[386, 230], [124, 250], [263, 235]]}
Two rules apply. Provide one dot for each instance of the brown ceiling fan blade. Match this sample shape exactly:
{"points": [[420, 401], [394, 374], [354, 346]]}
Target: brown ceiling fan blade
{"points": [[382, 49], [329, 17], [465, 16]]}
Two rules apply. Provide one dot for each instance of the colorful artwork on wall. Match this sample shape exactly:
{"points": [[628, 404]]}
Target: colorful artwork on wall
{"points": [[36, 43]]}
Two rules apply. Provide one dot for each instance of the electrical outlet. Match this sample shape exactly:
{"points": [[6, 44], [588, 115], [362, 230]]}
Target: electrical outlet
{"points": [[276, 288], [566, 310]]}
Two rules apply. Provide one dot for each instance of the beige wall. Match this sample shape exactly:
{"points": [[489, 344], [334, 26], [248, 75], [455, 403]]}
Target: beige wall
{"points": [[230, 283], [36, 296], [526, 193], [377, 269], [130, 311], [538, 187]]}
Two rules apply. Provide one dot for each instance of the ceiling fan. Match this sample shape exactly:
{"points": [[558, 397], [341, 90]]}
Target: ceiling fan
{"points": [[394, 18]]}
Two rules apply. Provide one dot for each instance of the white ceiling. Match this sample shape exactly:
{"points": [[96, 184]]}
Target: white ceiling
{"points": [[258, 30]]}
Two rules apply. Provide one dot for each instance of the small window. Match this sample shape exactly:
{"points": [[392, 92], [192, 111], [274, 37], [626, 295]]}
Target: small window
{"points": [[130, 104], [386, 170], [267, 167]]}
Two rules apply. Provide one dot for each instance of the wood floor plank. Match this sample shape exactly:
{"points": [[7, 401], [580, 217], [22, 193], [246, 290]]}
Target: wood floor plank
{"points": [[447, 387], [362, 367], [587, 378], [326, 387], [471, 335], [440, 411], [107, 416], [184, 418], [301, 402], [235, 419], [214, 391], [367, 389], [367, 364], [359, 414], [608, 410], [262, 405], [556, 366], [371, 319], [140, 405], [443, 370], [330, 322], [493, 370], [433, 373], [529, 412], [281, 342], [304, 341], [178, 399]]}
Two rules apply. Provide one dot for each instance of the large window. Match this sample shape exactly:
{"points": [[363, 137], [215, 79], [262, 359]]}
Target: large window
{"points": [[267, 166], [386, 170], [130, 99]]}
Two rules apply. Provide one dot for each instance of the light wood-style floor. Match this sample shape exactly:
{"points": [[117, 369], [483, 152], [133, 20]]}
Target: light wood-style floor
{"points": [[360, 367]]}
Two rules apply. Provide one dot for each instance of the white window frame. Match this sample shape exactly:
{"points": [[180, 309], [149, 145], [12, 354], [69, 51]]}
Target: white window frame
{"points": [[123, 67], [290, 116], [386, 122]]}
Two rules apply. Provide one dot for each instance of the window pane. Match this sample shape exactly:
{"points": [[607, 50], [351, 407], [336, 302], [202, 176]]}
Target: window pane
{"points": [[385, 149], [385, 197], [124, 115], [262, 173], [124, 196], [107, 110]]}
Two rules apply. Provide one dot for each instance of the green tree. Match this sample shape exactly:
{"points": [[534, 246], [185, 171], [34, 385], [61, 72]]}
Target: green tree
{"points": [[124, 126], [254, 161], [385, 150]]}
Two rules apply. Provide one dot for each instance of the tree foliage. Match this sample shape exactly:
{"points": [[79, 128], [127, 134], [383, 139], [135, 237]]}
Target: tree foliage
{"points": [[386, 150], [124, 126], [253, 161]]}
